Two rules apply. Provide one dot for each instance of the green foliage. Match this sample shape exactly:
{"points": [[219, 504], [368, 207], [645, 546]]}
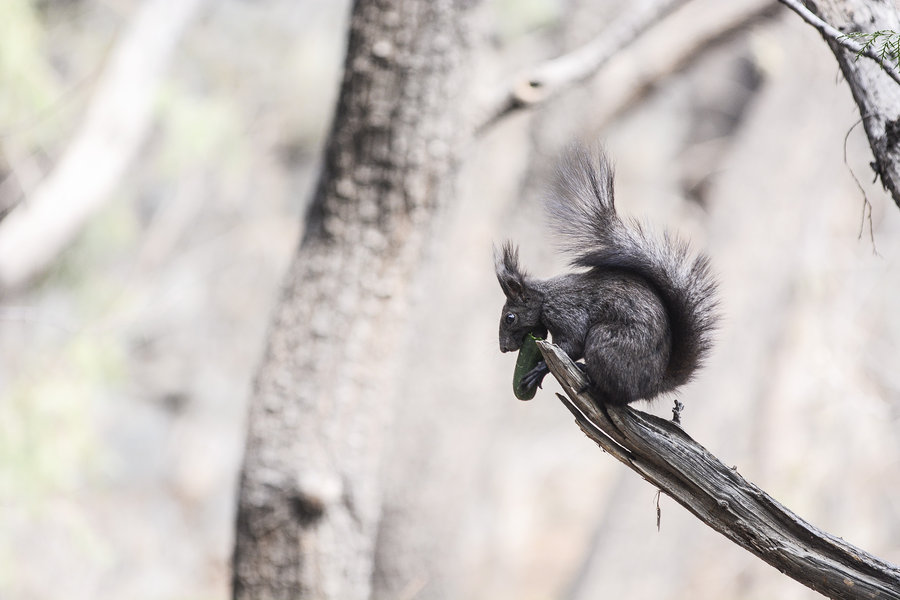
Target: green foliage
{"points": [[112, 234], [885, 43], [47, 432], [49, 448], [25, 76], [518, 17], [198, 131]]}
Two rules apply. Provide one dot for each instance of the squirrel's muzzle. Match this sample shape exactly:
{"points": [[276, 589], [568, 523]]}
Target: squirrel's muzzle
{"points": [[509, 343]]}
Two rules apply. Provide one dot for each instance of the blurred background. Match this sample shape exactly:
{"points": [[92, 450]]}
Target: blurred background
{"points": [[127, 363]]}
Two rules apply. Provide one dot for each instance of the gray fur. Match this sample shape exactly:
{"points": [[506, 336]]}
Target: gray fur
{"points": [[643, 313]]}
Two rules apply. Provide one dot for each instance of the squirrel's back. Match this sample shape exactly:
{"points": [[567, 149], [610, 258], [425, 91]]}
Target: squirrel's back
{"points": [[582, 209]]}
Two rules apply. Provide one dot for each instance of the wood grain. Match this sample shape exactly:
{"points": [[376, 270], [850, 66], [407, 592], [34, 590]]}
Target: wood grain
{"points": [[663, 454]]}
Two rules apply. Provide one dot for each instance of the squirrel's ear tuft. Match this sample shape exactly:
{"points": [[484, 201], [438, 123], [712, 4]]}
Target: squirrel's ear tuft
{"points": [[510, 276]]}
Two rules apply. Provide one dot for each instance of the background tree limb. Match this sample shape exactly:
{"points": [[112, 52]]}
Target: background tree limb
{"points": [[832, 34], [699, 39], [663, 454], [34, 232], [874, 86], [549, 78]]}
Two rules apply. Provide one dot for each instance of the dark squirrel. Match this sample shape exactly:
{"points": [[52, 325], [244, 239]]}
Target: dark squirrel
{"points": [[641, 314]]}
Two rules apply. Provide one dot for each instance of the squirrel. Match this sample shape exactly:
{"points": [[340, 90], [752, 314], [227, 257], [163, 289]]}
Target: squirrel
{"points": [[642, 313]]}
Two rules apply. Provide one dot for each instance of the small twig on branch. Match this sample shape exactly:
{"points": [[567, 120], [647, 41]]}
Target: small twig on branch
{"points": [[549, 78], [664, 455], [676, 411], [867, 206], [839, 37], [658, 511]]}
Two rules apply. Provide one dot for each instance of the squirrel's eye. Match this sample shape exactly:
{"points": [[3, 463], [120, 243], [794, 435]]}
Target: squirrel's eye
{"points": [[510, 318]]}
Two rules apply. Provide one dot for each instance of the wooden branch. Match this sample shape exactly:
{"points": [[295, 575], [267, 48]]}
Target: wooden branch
{"points": [[663, 454], [549, 78]]}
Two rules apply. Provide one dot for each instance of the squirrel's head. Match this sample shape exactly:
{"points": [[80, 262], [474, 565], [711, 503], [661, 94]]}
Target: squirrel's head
{"points": [[521, 313]]}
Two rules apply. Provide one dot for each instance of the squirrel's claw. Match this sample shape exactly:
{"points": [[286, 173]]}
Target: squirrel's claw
{"points": [[535, 376]]}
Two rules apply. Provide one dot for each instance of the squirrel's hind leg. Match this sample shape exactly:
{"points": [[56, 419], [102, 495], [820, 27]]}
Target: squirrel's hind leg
{"points": [[620, 365], [587, 385]]}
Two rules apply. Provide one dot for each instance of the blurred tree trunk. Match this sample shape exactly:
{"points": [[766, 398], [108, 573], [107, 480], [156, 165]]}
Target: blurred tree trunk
{"points": [[310, 494]]}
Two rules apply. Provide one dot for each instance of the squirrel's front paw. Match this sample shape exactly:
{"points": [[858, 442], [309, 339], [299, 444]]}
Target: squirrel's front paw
{"points": [[535, 376]]}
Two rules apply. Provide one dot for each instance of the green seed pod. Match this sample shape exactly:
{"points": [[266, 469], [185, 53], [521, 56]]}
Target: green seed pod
{"points": [[529, 357]]}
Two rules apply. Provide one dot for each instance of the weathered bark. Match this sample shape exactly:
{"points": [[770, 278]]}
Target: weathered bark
{"points": [[310, 495], [663, 454], [875, 93]]}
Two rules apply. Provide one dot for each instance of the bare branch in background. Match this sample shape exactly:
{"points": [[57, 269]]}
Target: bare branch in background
{"points": [[839, 37], [547, 79], [24, 176], [34, 232], [663, 454], [874, 84], [681, 55]]}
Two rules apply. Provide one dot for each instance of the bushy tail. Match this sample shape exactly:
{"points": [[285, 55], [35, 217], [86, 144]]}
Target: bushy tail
{"points": [[583, 210]]}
